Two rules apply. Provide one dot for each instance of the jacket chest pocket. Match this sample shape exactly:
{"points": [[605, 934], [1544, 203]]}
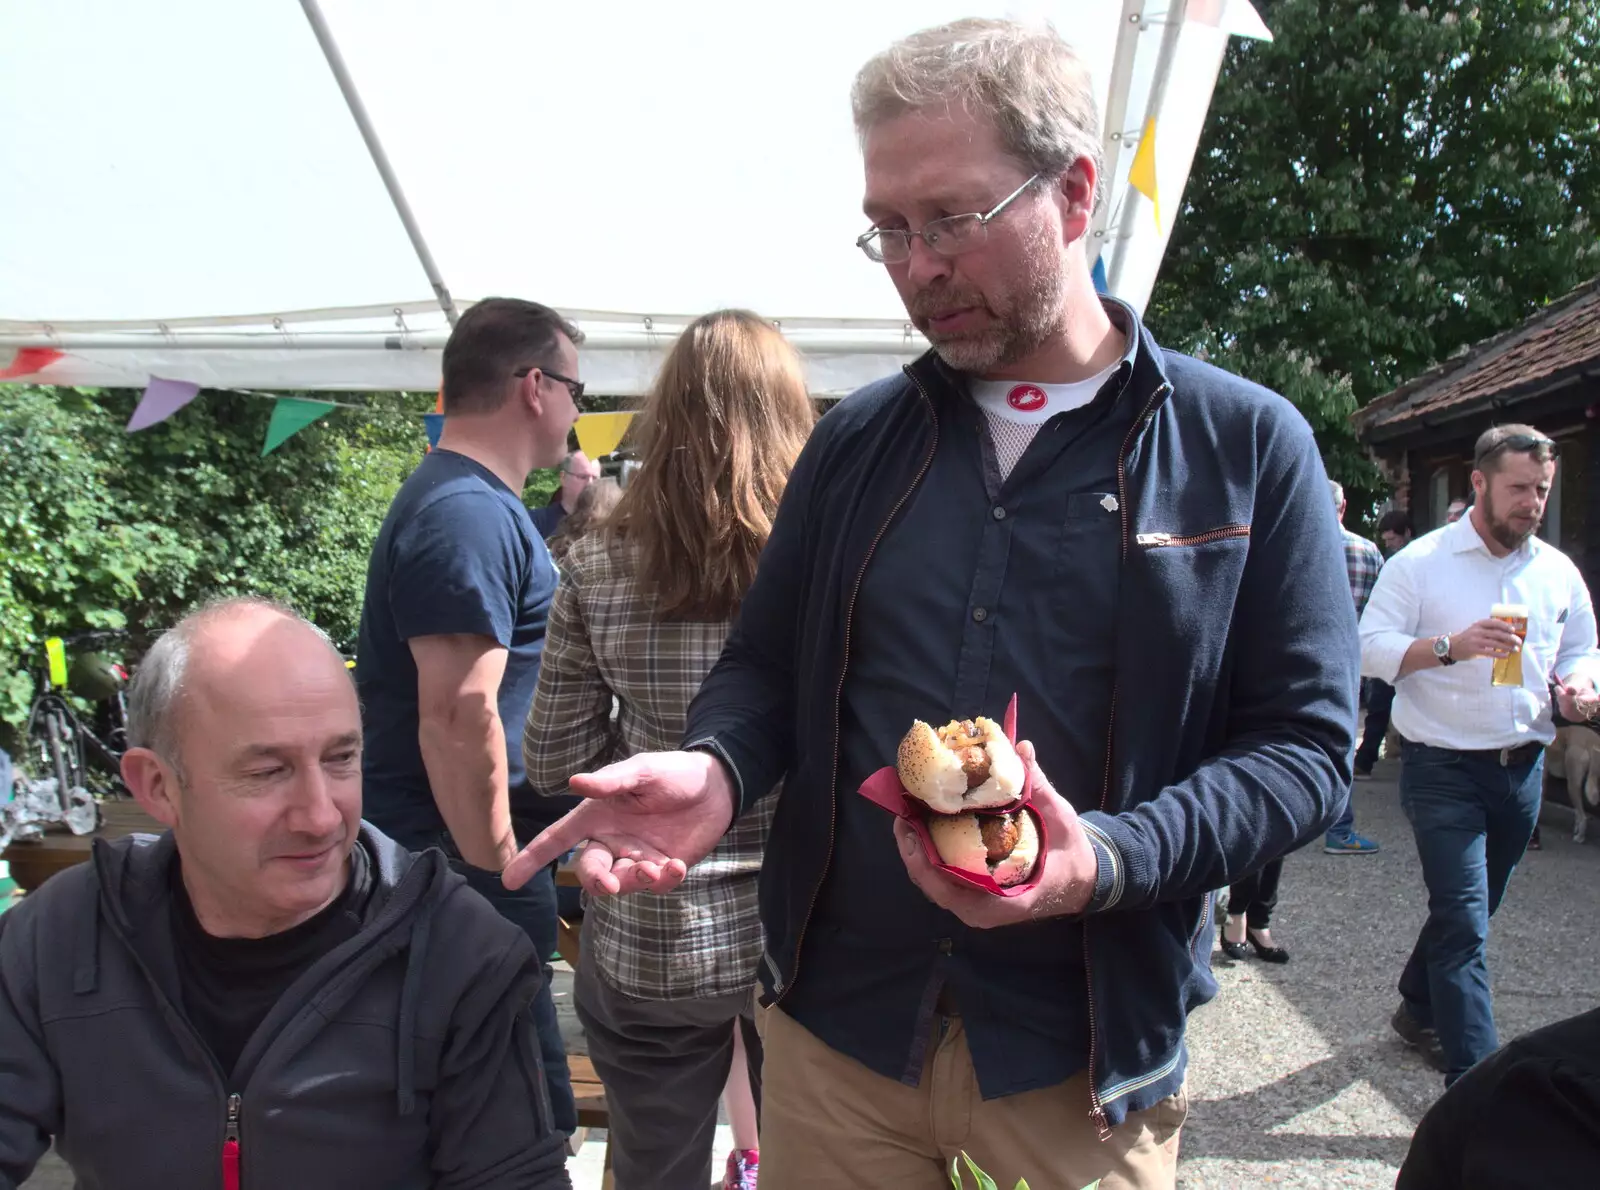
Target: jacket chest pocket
{"points": [[1190, 586]]}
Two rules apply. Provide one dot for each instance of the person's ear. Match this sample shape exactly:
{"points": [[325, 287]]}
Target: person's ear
{"points": [[1480, 482], [153, 783], [1075, 197]]}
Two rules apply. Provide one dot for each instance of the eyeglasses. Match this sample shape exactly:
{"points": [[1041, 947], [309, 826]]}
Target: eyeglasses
{"points": [[950, 236], [575, 387], [1518, 443]]}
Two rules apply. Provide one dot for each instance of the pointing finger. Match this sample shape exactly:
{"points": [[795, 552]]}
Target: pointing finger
{"points": [[554, 841]]}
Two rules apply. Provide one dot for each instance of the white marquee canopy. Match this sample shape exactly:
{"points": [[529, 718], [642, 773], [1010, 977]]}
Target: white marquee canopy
{"points": [[189, 196]]}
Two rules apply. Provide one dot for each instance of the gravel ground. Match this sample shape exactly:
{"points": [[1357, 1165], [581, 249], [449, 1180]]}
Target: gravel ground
{"points": [[1295, 1078]]}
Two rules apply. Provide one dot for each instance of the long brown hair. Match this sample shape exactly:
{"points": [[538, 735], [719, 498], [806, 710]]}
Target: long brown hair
{"points": [[718, 434]]}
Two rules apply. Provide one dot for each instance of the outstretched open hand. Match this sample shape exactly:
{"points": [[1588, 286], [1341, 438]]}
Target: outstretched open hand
{"points": [[643, 824]]}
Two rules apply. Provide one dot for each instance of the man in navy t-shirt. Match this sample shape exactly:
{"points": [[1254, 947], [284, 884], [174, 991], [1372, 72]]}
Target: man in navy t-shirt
{"points": [[458, 591]]}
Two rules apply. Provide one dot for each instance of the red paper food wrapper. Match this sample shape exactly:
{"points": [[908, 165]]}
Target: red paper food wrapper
{"points": [[884, 789]]}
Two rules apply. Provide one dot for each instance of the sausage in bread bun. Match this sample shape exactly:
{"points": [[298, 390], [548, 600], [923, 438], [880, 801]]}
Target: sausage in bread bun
{"points": [[1002, 846], [968, 764]]}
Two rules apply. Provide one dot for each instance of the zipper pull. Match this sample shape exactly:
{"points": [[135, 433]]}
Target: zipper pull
{"points": [[1101, 1126], [230, 1146], [1154, 539]]}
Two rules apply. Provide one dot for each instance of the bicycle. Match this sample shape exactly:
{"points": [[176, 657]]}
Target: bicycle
{"points": [[60, 743]]}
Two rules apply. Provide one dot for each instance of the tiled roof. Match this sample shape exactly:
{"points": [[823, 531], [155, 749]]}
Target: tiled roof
{"points": [[1564, 336]]}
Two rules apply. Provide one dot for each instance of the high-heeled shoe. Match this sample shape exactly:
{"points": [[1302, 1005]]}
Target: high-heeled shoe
{"points": [[1237, 951], [1267, 954]]}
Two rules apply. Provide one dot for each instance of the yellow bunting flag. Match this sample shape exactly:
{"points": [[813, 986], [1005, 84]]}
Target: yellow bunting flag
{"points": [[1142, 174], [601, 433]]}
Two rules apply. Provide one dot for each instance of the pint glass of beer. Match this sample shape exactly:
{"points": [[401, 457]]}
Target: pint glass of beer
{"points": [[1508, 670]]}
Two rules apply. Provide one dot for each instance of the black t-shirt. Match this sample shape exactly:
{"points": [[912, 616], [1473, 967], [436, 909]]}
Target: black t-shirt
{"points": [[229, 985], [457, 554]]}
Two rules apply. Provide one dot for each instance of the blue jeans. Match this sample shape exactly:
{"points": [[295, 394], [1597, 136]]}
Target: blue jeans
{"points": [[1346, 825], [533, 908], [1472, 818]]}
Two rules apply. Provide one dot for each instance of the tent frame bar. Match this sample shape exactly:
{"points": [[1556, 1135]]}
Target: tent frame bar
{"points": [[358, 110]]}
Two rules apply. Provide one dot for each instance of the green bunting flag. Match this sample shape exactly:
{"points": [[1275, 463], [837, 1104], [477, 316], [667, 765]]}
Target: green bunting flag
{"points": [[290, 415]]}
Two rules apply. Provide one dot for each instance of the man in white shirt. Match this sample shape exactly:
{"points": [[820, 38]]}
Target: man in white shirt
{"points": [[1472, 751]]}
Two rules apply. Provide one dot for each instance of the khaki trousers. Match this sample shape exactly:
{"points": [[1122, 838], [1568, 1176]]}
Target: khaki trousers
{"points": [[827, 1120]]}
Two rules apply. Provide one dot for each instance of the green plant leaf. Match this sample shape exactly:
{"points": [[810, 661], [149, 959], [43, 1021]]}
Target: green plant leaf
{"points": [[955, 1173], [985, 1182]]}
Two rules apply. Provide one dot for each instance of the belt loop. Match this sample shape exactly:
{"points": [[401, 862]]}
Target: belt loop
{"points": [[1505, 757]]}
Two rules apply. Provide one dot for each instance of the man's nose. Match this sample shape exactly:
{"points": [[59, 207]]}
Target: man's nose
{"points": [[925, 266], [314, 811]]}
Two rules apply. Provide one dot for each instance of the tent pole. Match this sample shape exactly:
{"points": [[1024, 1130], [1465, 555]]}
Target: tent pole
{"points": [[358, 110], [1177, 10], [1129, 26]]}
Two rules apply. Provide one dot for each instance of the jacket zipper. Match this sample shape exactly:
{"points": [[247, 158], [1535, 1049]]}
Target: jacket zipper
{"points": [[1159, 540], [230, 1145], [838, 694], [1097, 1111]]}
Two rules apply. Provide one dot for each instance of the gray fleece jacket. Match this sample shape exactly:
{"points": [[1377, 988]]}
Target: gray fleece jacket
{"points": [[406, 1057]]}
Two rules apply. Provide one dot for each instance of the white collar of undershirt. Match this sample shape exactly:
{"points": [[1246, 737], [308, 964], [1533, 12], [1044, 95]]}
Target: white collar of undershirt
{"points": [[1031, 404]]}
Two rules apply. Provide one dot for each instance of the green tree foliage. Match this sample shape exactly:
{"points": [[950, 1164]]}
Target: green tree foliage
{"points": [[1381, 185], [104, 529]]}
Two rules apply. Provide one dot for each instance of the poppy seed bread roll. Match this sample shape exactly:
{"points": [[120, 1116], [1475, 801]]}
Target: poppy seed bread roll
{"points": [[968, 764]]}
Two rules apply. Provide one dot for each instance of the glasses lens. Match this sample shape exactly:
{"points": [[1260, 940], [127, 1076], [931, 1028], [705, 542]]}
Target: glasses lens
{"points": [[955, 235], [885, 247]]}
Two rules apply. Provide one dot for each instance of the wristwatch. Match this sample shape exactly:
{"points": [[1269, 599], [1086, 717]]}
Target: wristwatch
{"points": [[1441, 649]]}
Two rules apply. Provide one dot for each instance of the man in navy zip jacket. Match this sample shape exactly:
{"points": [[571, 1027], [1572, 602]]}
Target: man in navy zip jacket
{"points": [[270, 995], [1047, 504]]}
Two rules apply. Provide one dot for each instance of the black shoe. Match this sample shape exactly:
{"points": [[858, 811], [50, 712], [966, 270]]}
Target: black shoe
{"points": [[1419, 1037], [1237, 951], [1267, 954]]}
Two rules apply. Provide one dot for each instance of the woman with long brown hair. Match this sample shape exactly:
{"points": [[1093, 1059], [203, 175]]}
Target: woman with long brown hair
{"points": [[643, 609]]}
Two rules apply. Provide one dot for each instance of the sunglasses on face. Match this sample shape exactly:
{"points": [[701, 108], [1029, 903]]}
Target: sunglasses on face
{"points": [[575, 387]]}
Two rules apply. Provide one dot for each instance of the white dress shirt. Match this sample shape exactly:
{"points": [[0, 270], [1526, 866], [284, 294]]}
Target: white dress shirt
{"points": [[1443, 583]]}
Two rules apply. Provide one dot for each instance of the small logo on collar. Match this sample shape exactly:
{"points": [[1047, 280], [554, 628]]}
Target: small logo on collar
{"points": [[1027, 398]]}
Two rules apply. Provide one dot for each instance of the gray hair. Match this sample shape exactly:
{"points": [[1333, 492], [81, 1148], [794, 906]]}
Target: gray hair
{"points": [[1337, 489], [158, 682], [1024, 77]]}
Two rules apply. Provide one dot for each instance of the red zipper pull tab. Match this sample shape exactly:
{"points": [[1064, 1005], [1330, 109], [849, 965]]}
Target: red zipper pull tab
{"points": [[230, 1146]]}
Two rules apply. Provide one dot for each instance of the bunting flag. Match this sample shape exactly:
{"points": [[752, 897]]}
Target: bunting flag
{"points": [[162, 398], [290, 415], [29, 360], [1099, 275], [435, 426], [601, 433], [1142, 173]]}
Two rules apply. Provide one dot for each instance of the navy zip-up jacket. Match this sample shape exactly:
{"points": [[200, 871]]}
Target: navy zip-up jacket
{"points": [[404, 1058], [1235, 693]]}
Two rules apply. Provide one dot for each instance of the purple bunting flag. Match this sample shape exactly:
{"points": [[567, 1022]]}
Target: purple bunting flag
{"points": [[162, 398]]}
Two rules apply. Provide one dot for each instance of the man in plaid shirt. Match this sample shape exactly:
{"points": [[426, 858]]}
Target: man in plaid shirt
{"points": [[1363, 560]]}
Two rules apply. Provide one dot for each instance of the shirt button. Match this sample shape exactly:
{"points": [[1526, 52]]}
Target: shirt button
{"points": [[999, 513], [980, 614]]}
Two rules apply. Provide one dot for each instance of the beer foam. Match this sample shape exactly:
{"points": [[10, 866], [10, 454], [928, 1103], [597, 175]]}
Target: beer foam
{"points": [[1509, 611]]}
